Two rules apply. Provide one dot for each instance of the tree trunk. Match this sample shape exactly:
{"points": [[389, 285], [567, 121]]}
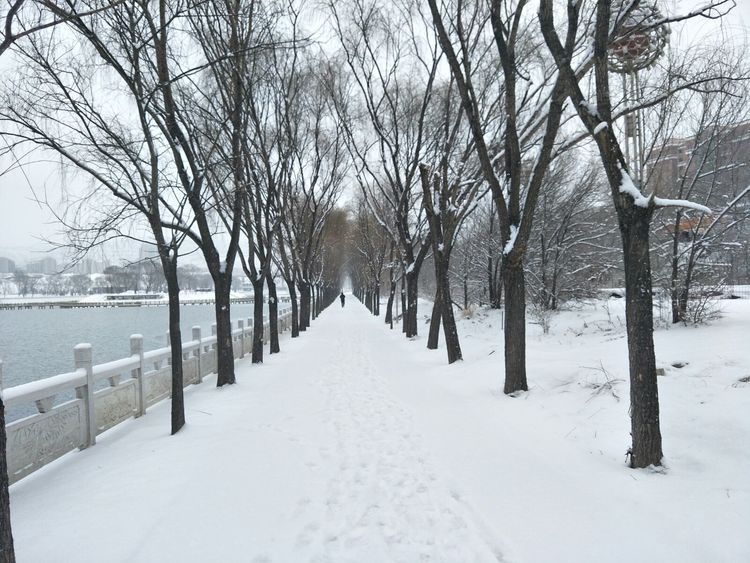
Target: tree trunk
{"points": [[175, 342], [435, 319], [644, 394], [515, 326], [389, 306], [412, 289], [450, 331], [273, 316], [466, 291], [295, 309], [7, 553], [224, 350], [313, 302], [404, 316], [258, 306], [304, 308], [675, 273]]}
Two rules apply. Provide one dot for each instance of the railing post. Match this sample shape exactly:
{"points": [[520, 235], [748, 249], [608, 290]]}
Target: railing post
{"points": [[215, 348], [251, 326], [169, 345], [197, 351], [82, 357], [241, 325], [136, 349]]}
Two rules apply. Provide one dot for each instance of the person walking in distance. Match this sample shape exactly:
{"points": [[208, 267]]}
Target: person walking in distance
{"points": [[343, 298]]}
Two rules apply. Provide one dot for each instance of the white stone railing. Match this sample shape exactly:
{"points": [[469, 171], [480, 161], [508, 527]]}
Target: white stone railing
{"points": [[106, 394]]}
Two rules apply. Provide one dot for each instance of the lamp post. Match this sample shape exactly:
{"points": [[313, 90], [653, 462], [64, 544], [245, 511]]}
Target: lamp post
{"points": [[640, 42]]}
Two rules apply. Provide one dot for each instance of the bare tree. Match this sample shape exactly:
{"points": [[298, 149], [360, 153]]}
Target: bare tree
{"points": [[11, 15], [570, 245], [314, 181], [370, 243], [532, 115], [392, 66], [701, 160], [62, 113], [451, 186], [634, 210]]}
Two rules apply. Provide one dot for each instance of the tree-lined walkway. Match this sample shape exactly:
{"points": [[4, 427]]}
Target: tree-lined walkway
{"points": [[310, 457]]}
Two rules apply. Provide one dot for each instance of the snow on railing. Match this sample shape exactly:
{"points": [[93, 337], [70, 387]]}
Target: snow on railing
{"points": [[94, 398]]}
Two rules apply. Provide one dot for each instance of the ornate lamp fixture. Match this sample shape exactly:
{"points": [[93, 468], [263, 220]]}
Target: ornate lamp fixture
{"points": [[641, 40]]}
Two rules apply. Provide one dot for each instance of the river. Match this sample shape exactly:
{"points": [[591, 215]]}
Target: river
{"points": [[38, 343]]}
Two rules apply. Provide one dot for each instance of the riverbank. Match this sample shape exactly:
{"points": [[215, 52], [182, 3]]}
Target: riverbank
{"points": [[127, 299]]}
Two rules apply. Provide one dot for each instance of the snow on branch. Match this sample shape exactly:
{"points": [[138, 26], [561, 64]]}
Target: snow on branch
{"points": [[628, 187]]}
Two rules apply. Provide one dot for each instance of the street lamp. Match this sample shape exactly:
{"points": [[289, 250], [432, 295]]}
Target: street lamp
{"points": [[640, 42]]}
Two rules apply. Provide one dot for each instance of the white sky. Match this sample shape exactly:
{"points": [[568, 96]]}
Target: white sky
{"points": [[23, 222]]}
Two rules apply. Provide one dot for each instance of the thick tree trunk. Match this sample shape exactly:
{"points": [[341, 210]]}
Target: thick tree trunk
{"points": [[273, 316], [175, 342], [644, 394], [224, 350], [515, 326], [7, 553], [304, 308], [258, 306], [434, 336], [412, 292]]}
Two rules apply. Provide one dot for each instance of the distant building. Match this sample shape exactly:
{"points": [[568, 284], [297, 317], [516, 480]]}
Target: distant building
{"points": [[7, 266], [46, 265], [711, 169], [88, 266], [721, 160]]}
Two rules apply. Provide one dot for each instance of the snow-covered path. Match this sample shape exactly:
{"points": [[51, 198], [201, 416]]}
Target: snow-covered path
{"points": [[358, 445], [311, 457]]}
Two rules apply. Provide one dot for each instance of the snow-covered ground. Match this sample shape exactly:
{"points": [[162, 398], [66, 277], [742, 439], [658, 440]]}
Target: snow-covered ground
{"points": [[356, 445]]}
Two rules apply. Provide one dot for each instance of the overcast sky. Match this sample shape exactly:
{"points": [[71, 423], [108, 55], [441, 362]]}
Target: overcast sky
{"points": [[24, 222]]}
